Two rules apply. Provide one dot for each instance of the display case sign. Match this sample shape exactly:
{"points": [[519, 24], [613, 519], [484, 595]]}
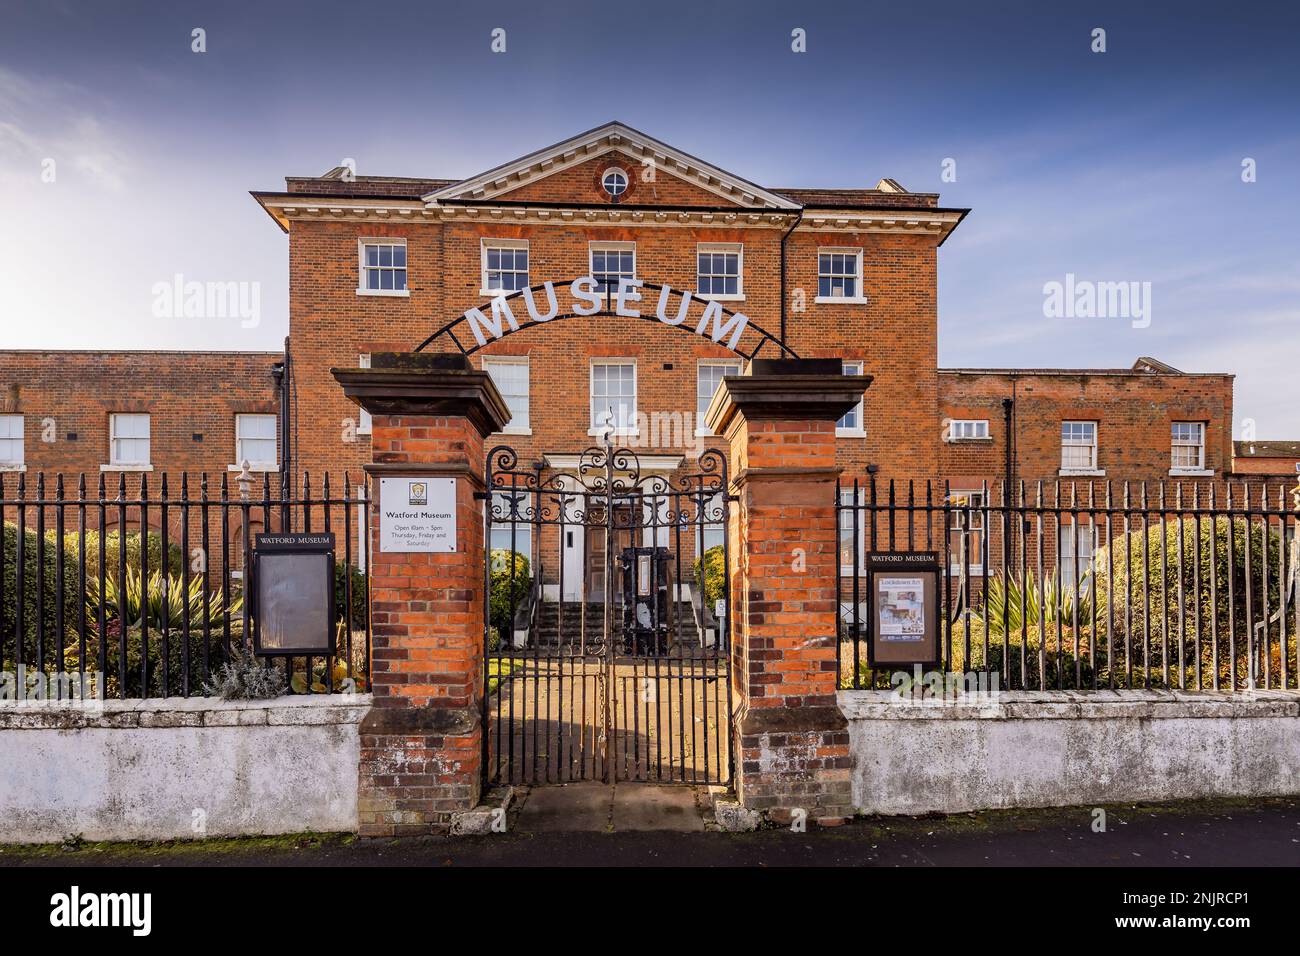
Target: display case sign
{"points": [[417, 515], [292, 594], [903, 608]]}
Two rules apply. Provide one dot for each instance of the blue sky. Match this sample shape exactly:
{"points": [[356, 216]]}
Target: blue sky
{"points": [[1115, 166]]}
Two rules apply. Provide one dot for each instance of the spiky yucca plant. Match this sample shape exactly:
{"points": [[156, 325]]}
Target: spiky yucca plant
{"points": [[1044, 600]]}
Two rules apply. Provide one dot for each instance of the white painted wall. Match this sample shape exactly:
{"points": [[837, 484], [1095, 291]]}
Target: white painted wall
{"points": [[139, 770], [1062, 749]]}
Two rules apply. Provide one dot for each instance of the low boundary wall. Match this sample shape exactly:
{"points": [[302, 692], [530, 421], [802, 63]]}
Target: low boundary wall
{"points": [[179, 768], [1034, 749]]}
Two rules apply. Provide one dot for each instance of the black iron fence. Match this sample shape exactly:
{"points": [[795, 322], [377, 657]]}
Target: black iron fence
{"points": [[133, 593], [1086, 585]]}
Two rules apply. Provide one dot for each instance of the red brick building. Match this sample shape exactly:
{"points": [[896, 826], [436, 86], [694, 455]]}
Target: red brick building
{"points": [[383, 264]]}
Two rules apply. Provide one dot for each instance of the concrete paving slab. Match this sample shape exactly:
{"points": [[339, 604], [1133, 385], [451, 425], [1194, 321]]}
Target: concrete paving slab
{"points": [[571, 808], [649, 807]]}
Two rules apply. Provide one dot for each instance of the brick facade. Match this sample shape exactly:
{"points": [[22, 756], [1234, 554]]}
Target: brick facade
{"points": [[192, 398], [554, 201], [1133, 409]]}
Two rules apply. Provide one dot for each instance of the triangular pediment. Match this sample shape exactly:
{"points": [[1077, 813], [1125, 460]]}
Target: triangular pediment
{"points": [[573, 170]]}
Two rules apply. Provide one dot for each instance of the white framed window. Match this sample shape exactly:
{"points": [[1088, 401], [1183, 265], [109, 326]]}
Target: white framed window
{"points": [[505, 266], [968, 429], [382, 267], [363, 416], [613, 395], [708, 376], [839, 275], [1187, 446], [850, 425], [711, 534], [611, 261], [1078, 447], [11, 441], [514, 529], [255, 442], [852, 523], [614, 181], [128, 440], [1086, 534], [967, 544], [510, 375], [719, 270]]}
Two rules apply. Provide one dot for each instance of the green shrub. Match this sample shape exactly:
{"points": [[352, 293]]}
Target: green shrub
{"points": [[357, 619], [715, 574], [1057, 647], [179, 651], [129, 607], [112, 548], [34, 581], [1135, 588], [506, 591]]}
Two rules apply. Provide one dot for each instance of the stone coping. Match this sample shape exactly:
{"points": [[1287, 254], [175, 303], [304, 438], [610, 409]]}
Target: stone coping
{"points": [[162, 712], [1072, 705]]}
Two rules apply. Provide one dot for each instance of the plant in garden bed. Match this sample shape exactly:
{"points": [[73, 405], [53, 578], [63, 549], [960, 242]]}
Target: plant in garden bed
{"points": [[131, 606], [245, 677], [510, 581], [715, 576]]}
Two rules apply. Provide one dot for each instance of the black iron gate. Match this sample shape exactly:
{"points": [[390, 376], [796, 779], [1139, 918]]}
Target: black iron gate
{"points": [[607, 624]]}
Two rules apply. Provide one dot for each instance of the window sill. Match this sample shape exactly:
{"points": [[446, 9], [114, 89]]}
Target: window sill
{"points": [[1191, 472], [508, 430], [12, 467], [971, 441], [255, 467], [840, 300], [850, 433], [126, 467], [973, 570], [719, 298], [497, 293], [616, 433], [1082, 472], [392, 293]]}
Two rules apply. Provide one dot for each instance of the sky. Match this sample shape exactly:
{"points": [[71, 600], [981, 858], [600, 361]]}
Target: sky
{"points": [[126, 156]]}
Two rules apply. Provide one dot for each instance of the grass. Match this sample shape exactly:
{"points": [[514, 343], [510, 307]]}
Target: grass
{"points": [[499, 670]]}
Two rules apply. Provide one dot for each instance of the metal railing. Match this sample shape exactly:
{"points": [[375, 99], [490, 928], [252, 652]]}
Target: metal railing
{"points": [[1087, 585], [84, 592]]}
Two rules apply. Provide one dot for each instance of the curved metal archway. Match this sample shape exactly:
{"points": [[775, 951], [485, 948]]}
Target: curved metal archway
{"points": [[761, 337]]}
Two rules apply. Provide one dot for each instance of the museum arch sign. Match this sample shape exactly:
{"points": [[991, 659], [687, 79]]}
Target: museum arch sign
{"points": [[583, 297]]}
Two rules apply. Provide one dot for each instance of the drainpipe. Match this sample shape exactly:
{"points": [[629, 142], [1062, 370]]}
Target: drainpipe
{"points": [[1008, 408], [784, 304]]}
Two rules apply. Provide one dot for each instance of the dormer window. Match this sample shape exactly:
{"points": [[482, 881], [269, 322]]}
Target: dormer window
{"points": [[614, 182]]}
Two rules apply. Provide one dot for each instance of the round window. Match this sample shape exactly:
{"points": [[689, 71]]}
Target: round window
{"points": [[614, 181]]}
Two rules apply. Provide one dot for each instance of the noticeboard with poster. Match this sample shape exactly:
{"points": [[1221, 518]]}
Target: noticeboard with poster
{"points": [[903, 608]]}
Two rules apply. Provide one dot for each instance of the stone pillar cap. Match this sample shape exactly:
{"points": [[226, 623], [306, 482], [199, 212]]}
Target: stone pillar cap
{"points": [[419, 383], [787, 389]]}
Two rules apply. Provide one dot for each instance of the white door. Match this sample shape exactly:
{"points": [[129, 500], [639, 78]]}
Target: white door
{"points": [[572, 538]]}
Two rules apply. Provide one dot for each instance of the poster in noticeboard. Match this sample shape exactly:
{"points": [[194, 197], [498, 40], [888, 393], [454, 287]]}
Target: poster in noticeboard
{"points": [[904, 608]]}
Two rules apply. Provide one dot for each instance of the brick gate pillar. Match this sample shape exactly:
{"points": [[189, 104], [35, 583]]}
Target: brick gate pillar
{"points": [[421, 741], [790, 738]]}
